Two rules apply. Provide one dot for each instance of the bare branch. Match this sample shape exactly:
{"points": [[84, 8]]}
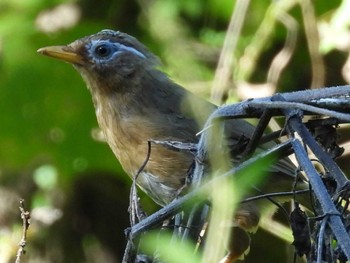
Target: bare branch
{"points": [[25, 215]]}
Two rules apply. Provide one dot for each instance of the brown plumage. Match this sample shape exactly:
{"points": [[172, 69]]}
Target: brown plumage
{"points": [[135, 102]]}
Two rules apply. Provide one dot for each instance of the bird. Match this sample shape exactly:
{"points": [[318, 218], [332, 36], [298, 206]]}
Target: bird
{"points": [[135, 102]]}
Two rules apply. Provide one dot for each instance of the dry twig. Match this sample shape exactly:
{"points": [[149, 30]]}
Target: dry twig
{"points": [[25, 215]]}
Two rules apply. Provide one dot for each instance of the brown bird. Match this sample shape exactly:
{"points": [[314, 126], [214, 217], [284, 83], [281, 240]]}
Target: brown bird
{"points": [[136, 102]]}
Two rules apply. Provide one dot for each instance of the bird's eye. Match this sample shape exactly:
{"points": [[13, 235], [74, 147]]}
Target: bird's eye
{"points": [[103, 50]]}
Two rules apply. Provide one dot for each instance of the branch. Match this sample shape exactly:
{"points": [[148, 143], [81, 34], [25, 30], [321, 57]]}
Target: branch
{"points": [[25, 215]]}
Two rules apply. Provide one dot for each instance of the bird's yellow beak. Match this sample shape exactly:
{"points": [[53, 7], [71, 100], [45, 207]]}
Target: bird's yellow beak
{"points": [[64, 53]]}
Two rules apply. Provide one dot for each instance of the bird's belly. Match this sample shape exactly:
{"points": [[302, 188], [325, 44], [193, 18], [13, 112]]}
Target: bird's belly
{"points": [[164, 173], [161, 193]]}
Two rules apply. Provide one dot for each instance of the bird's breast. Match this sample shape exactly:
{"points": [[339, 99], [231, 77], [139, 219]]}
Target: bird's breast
{"points": [[128, 137]]}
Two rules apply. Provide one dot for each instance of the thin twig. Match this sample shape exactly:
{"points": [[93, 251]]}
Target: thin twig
{"points": [[313, 42], [320, 239], [226, 60], [271, 195], [281, 60], [255, 48], [25, 215], [129, 254], [258, 133], [245, 109], [301, 106], [177, 146], [136, 213]]}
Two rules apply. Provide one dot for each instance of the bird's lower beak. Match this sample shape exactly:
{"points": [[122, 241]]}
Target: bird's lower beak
{"points": [[64, 53]]}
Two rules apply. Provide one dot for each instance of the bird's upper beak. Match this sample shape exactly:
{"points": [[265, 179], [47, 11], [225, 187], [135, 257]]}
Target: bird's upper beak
{"points": [[64, 53]]}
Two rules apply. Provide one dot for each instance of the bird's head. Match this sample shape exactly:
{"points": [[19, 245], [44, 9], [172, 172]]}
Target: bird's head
{"points": [[106, 58], [124, 76]]}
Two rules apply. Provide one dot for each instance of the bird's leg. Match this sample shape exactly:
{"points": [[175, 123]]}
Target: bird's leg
{"points": [[136, 212]]}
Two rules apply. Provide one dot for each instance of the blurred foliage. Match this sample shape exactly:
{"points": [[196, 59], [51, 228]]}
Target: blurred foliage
{"points": [[166, 243], [49, 153]]}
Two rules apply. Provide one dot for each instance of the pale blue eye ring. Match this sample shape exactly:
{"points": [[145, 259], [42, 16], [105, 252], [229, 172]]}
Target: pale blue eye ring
{"points": [[103, 51]]}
